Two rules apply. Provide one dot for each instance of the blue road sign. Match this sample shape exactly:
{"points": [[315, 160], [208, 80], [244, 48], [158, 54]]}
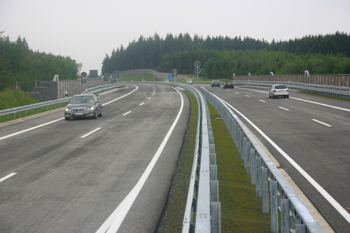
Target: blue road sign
{"points": [[170, 76]]}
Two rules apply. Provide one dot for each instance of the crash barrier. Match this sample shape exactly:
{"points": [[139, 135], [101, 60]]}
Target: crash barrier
{"points": [[277, 194], [55, 103], [333, 91], [203, 209]]}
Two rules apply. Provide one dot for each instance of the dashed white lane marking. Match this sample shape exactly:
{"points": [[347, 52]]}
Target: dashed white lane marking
{"points": [[8, 176], [262, 101], [126, 113], [90, 133], [286, 109], [320, 122], [316, 185], [247, 95], [114, 221], [142, 103], [237, 92], [149, 97], [51, 122]]}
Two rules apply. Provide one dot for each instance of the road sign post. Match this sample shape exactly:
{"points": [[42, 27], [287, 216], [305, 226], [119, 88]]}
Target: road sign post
{"points": [[197, 70]]}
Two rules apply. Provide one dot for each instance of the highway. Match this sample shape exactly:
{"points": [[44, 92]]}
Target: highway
{"points": [[93, 175], [313, 131]]}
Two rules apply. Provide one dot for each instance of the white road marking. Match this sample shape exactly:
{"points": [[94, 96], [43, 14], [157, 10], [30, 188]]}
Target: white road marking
{"points": [[319, 188], [126, 113], [6, 177], [51, 122], [149, 97], [121, 96], [114, 221], [308, 101], [26, 130], [142, 103], [237, 92], [284, 108], [321, 122], [247, 95], [90, 133], [262, 101]]}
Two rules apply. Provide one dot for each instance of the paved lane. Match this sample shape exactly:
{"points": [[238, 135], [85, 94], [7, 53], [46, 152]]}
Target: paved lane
{"points": [[315, 136], [66, 183]]}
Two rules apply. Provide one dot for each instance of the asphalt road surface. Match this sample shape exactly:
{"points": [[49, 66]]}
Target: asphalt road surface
{"points": [[315, 134], [91, 175]]}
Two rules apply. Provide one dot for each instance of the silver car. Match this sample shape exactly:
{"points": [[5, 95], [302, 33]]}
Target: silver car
{"points": [[84, 105], [279, 90]]}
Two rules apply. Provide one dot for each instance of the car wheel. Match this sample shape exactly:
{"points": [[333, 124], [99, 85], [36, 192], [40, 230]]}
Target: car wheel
{"points": [[287, 96], [100, 113], [67, 118], [95, 114]]}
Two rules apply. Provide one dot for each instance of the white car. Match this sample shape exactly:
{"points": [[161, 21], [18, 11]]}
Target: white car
{"points": [[189, 81], [279, 90]]}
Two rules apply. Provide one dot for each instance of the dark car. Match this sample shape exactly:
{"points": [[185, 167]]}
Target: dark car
{"points": [[215, 83], [84, 105], [229, 84]]}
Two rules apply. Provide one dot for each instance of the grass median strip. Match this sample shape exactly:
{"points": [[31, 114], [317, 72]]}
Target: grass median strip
{"points": [[241, 210]]}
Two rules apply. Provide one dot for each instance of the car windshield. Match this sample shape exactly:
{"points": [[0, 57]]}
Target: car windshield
{"points": [[82, 99], [281, 87]]}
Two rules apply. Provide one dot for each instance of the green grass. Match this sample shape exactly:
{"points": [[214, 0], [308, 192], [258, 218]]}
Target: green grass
{"points": [[138, 77], [324, 96], [174, 212], [241, 210], [12, 99]]}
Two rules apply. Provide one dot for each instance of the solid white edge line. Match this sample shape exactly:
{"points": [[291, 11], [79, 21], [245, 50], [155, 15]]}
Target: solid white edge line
{"points": [[114, 221], [26, 130], [8, 176], [320, 122], [121, 96], [308, 101], [284, 108], [90, 132], [323, 192], [51, 122], [126, 113]]}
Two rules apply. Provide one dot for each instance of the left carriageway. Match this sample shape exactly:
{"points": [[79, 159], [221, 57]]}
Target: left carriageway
{"points": [[91, 175]]}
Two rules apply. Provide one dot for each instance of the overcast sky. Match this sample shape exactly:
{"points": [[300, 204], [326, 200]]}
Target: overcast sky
{"points": [[87, 30]]}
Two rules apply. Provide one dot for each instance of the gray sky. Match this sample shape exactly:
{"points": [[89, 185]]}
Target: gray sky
{"points": [[87, 30]]}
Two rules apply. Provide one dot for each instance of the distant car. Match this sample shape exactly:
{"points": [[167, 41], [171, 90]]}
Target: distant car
{"points": [[228, 84], [84, 105], [215, 83], [279, 90], [189, 81]]}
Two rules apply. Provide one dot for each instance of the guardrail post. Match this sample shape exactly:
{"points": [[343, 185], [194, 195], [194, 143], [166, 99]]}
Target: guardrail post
{"points": [[285, 227], [243, 147], [300, 228], [252, 165], [258, 175], [215, 212], [247, 157], [274, 206], [265, 191]]}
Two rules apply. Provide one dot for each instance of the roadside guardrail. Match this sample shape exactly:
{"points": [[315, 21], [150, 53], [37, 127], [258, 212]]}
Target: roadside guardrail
{"points": [[59, 102], [275, 191], [270, 184]]}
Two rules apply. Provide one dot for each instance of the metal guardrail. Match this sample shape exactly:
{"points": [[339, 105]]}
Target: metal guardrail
{"points": [[270, 184], [60, 102], [203, 209]]}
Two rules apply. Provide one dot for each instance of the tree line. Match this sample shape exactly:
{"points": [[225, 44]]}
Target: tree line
{"points": [[19, 63], [326, 54]]}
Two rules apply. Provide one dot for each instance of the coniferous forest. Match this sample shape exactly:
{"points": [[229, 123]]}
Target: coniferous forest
{"points": [[222, 56], [19, 63]]}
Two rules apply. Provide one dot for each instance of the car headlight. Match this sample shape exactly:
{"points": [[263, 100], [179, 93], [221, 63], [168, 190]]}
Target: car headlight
{"points": [[67, 109], [91, 108]]}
